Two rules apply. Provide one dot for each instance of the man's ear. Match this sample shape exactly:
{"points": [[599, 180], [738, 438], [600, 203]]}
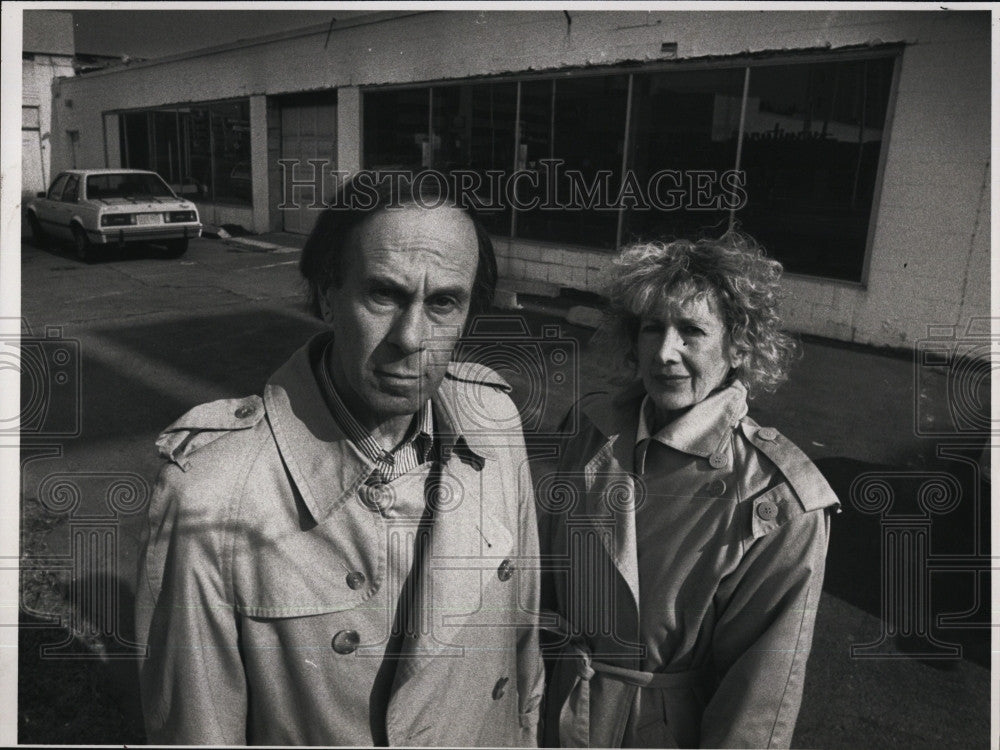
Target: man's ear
{"points": [[325, 308]]}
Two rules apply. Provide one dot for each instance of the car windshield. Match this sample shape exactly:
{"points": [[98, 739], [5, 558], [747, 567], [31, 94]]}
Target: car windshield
{"points": [[126, 185]]}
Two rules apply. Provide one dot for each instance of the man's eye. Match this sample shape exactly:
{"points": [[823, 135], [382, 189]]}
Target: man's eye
{"points": [[383, 296], [442, 304], [651, 328], [692, 331]]}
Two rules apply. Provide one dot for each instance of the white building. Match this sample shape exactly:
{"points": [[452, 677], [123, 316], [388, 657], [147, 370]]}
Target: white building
{"points": [[863, 138], [47, 54]]}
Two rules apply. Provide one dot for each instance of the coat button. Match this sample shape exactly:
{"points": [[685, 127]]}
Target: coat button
{"points": [[506, 570], [767, 433], [767, 510], [356, 579], [346, 641], [498, 689], [717, 460], [717, 488], [243, 412]]}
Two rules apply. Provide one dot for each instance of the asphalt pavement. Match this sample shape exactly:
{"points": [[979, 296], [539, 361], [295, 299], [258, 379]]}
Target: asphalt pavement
{"points": [[901, 654]]}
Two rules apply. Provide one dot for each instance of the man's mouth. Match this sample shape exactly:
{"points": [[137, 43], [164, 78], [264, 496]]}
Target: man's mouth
{"points": [[402, 376]]}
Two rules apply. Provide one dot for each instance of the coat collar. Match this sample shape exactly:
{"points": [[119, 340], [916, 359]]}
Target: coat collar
{"points": [[698, 431], [701, 429], [326, 467], [616, 490]]}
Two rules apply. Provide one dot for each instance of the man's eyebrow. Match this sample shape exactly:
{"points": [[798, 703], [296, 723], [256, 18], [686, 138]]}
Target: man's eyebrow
{"points": [[378, 280], [457, 292]]}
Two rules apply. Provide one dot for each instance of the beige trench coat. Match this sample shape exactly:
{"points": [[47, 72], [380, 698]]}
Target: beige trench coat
{"points": [[245, 581], [744, 558]]}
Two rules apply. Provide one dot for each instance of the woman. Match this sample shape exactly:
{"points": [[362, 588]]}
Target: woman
{"points": [[687, 542]]}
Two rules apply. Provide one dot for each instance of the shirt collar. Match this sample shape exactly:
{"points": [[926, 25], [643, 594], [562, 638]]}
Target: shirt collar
{"points": [[703, 427], [422, 428], [325, 464]]}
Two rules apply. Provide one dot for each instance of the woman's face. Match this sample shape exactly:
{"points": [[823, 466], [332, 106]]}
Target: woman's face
{"points": [[684, 353]]}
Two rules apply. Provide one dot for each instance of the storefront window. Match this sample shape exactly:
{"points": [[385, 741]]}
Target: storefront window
{"points": [[788, 151], [811, 149], [166, 146], [196, 140], [395, 129], [685, 127], [577, 125], [231, 152], [202, 151], [135, 129]]}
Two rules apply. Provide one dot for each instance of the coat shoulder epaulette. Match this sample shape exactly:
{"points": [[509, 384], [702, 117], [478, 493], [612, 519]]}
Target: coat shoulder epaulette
{"points": [[809, 485], [476, 374], [206, 423]]}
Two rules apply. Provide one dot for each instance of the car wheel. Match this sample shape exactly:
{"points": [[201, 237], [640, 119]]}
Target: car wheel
{"points": [[176, 248], [38, 237], [84, 250]]}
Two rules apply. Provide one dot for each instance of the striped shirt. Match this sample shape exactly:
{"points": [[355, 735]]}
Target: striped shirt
{"points": [[388, 465]]}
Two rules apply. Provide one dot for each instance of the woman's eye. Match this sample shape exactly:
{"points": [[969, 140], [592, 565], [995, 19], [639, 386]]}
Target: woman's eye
{"points": [[692, 331], [651, 328]]}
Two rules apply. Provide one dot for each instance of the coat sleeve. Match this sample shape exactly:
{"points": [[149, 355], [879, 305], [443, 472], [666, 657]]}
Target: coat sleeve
{"points": [[531, 672], [192, 681], [761, 642]]}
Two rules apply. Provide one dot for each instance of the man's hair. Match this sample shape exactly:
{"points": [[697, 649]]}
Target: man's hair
{"points": [[326, 252], [732, 271]]}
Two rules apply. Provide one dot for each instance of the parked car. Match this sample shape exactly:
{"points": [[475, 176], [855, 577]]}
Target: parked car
{"points": [[95, 208]]}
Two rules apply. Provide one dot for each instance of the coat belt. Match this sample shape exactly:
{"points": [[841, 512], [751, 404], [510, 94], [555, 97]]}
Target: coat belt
{"points": [[574, 716]]}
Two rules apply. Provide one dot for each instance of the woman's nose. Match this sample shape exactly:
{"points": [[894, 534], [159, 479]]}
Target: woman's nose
{"points": [[670, 346]]}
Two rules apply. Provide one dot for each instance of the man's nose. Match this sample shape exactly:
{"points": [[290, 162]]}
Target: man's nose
{"points": [[410, 329], [671, 346]]}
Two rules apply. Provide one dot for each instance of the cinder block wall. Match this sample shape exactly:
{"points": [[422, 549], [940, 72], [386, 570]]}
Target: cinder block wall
{"points": [[930, 258]]}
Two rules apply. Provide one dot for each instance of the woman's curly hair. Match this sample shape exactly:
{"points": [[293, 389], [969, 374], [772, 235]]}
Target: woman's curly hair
{"points": [[732, 269]]}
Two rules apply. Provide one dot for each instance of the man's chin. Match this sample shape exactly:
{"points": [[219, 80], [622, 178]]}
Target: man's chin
{"points": [[395, 401]]}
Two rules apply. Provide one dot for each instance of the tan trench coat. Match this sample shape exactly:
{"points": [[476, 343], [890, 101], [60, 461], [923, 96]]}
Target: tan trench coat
{"points": [[244, 586], [744, 566]]}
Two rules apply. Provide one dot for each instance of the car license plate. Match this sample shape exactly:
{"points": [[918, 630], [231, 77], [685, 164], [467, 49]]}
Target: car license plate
{"points": [[147, 219]]}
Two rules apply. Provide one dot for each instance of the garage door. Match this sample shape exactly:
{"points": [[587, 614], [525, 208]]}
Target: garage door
{"points": [[308, 131]]}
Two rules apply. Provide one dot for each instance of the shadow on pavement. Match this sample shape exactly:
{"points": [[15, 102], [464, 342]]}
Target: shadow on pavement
{"points": [[925, 574], [214, 356], [83, 686]]}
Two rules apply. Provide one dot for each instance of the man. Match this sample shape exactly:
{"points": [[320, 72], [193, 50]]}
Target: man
{"points": [[348, 561]]}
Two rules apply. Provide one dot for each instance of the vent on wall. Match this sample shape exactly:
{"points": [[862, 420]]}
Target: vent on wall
{"points": [[668, 50]]}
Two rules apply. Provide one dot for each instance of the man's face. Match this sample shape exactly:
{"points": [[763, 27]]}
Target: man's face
{"points": [[397, 315]]}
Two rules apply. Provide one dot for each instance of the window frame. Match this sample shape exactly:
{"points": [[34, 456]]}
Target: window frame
{"points": [[746, 62], [74, 197], [60, 182]]}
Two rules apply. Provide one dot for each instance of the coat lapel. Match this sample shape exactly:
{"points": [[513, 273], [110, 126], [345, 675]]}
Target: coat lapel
{"points": [[458, 580], [613, 490]]}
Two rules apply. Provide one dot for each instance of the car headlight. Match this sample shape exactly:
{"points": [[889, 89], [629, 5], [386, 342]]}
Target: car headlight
{"points": [[117, 220], [182, 216]]}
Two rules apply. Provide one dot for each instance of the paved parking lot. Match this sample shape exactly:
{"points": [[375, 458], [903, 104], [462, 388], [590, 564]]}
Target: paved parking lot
{"points": [[153, 337]]}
